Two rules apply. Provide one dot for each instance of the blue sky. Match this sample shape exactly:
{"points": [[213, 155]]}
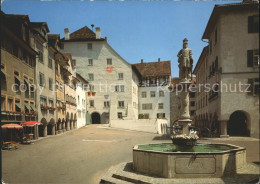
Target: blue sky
{"points": [[135, 29]]}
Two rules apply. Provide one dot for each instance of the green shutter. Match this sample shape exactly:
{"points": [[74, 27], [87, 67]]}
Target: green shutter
{"points": [[250, 58], [250, 89]]}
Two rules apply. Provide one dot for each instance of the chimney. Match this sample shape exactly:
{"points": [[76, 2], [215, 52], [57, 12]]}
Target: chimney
{"points": [[142, 61], [159, 59], [98, 33], [67, 33]]}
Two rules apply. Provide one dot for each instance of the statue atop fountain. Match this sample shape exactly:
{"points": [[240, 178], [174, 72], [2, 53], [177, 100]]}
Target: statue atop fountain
{"points": [[185, 61]]}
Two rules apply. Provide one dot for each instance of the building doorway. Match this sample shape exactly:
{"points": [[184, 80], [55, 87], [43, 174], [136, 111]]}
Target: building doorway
{"points": [[95, 118], [238, 124]]}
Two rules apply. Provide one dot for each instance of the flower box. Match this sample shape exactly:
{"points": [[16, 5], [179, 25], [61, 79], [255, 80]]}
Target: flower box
{"points": [[93, 93], [90, 93], [45, 107]]}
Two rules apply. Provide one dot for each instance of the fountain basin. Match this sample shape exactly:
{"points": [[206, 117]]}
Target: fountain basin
{"points": [[202, 160]]}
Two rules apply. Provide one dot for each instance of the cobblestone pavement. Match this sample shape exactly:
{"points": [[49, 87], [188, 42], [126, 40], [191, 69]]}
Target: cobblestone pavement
{"points": [[84, 155]]}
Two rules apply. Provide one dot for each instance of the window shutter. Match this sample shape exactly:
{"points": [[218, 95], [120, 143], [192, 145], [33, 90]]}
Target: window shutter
{"points": [[250, 24], [250, 89], [250, 58], [157, 115]]}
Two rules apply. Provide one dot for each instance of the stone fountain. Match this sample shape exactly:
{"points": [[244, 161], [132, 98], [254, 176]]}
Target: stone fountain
{"points": [[184, 158]]}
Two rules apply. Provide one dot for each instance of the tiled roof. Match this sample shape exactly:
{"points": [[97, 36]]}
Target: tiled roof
{"points": [[39, 24], [52, 39], [176, 80], [82, 34], [154, 69], [68, 56]]}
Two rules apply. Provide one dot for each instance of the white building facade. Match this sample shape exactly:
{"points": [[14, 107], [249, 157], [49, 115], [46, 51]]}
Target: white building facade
{"points": [[81, 93], [110, 91]]}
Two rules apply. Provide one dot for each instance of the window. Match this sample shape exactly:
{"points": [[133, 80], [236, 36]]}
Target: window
{"points": [[160, 106], [254, 86], [109, 61], [106, 103], [144, 94], [161, 93], [42, 80], [91, 87], [3, 103], [152, 93], [50, 63], [120, 76], [216, 36], [253, 58], [121, 104], [216, 64], [40, 56], [51, 103], [91, 76], [122, 88], [32, 107], [3, 78], [160, 115], [43, 101], [10, 103], [17, 82], [117, 88], [32, 90], [78, 100], [192, 94], [120, 115], [192, 113], [89, 46], [143, 116], [50, 84], [26, 107], [26, 83], [91, 103], [192, 103], [253, 24], [90, 62], [147, 106]]}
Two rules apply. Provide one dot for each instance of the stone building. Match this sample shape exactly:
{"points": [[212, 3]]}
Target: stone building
{"points": [[232, 59], [153, 93], [175, 100], [17, 70], [70, 82], [81, 91], [45, 76], [202, 118], [60, 62], [110, 88]]}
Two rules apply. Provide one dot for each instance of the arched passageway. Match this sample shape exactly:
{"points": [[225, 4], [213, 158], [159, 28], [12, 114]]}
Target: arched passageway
{"points": [[95, 118], [238, 124]]}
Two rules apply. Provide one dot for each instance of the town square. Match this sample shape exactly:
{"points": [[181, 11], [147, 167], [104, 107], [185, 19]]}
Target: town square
{"points": [[130, 91]]}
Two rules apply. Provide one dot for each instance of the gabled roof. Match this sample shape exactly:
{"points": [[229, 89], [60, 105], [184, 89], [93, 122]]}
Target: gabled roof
{"points": [[39, 24], [52, 39], [154, 69], [83, 34], [218, 9]]}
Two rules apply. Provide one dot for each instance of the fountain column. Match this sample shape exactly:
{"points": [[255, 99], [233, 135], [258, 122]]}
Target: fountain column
{"points": [[185, 61]]}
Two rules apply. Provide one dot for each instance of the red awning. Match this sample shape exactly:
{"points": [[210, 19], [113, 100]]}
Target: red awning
{"points": [[31, 123], [12, 126]]}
